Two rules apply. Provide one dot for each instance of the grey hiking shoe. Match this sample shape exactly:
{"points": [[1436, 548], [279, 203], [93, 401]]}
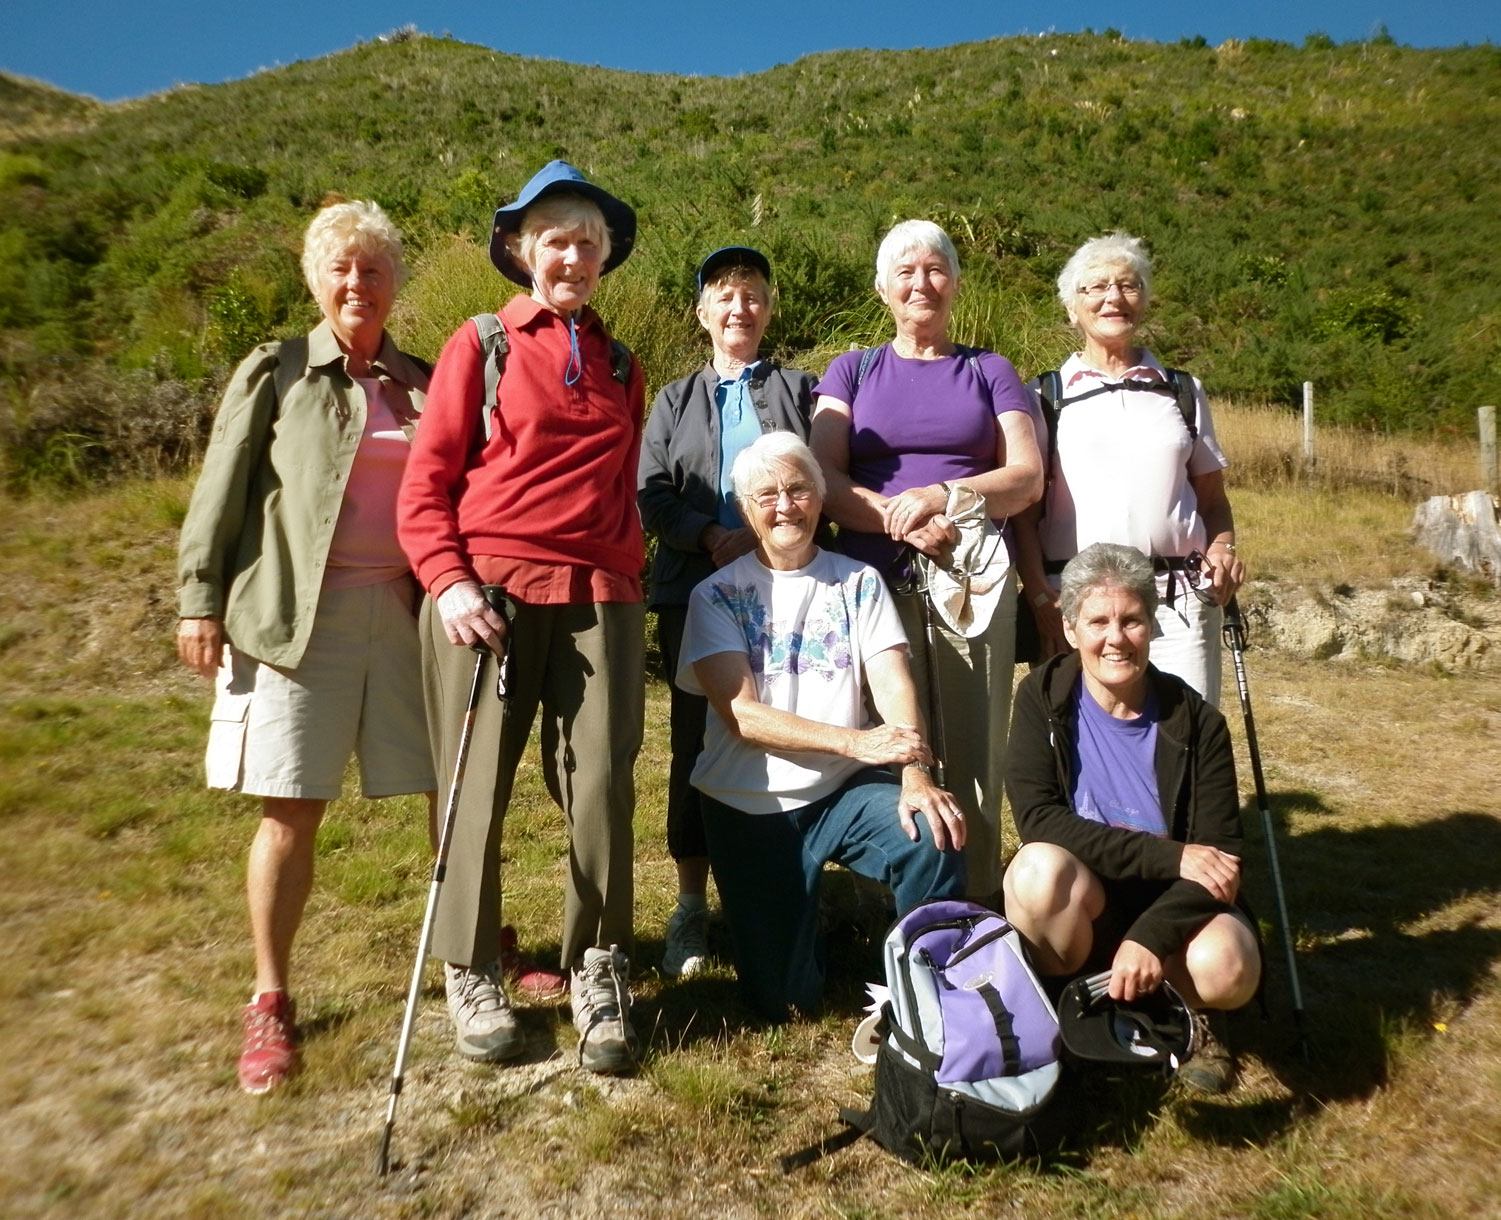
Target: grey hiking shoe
{"points": [[687, 949], [1210, 1067], [602, 1011], [484, 1025]]}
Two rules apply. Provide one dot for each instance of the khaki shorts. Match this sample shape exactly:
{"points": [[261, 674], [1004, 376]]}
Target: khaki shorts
{"points": [[358, 689]]}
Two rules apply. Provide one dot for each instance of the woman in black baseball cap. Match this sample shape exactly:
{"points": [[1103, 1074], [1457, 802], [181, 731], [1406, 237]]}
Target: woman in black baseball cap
{"points": [[697, 426]]}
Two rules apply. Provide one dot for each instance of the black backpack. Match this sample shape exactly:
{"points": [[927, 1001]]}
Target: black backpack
{"points": [[1049, 389]]}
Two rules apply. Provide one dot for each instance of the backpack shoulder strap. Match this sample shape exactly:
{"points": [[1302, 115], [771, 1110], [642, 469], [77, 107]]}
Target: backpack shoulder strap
{"points": [[867, 358], [1049, 388], [1188, 407], [620, 361], [493, 347], [291, 363]]}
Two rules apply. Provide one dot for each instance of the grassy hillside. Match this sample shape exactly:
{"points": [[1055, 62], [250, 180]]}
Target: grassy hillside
{"points": [[1320, 212]]}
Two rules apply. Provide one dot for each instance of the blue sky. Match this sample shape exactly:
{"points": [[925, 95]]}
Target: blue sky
{"points": [[129, 48]]}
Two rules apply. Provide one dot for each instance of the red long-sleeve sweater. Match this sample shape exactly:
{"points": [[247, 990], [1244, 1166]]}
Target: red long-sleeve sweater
{"points": [[555, 483]]}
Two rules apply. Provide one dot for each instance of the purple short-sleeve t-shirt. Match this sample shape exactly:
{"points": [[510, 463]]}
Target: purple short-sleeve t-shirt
{"points": [[917, 422], [1115, 768]]}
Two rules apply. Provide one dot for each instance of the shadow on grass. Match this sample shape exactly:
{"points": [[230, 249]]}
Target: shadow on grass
{"points": [[1371, 978]]}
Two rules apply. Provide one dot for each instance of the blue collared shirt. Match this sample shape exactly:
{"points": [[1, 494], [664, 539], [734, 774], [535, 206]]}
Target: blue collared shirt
{"points": [[738, 427]]}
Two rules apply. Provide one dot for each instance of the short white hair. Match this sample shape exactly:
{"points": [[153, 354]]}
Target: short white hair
{"points": [[912, 235], [1118, 249], [357, 225], [767, 452], [563, 210]]}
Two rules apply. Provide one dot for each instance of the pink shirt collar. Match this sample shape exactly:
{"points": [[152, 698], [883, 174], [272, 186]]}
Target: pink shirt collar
{"points": [[1147, 369]]}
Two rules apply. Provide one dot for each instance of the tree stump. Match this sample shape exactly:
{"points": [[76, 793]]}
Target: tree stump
{"points": [[1463, 531]]}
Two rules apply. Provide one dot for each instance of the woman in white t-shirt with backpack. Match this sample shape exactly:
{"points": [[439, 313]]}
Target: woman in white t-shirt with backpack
{"points": [[785, 642], [1129, 465]]}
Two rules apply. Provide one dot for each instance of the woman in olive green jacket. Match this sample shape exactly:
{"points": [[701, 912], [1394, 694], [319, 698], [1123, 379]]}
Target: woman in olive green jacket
{"points": [[295, 596]]}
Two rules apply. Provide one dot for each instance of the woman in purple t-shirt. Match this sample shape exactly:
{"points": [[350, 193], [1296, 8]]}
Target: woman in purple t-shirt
{"points": [[899, 431]]}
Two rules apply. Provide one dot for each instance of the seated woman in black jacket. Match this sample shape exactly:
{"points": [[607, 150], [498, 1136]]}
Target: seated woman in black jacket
{"points": [[1122, 783]]}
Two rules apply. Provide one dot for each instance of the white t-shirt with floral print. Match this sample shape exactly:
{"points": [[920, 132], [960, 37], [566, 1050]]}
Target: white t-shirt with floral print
{"points": [[807, 635]]}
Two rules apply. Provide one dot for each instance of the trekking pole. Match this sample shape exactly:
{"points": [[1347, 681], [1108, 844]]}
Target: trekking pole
{"points": [[497, 598], [935, 695], [1235, 637]]}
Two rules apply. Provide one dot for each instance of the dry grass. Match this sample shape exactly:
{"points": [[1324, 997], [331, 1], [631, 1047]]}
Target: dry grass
{"points": [[1266, 447], [1347, 520], [127, 957]]}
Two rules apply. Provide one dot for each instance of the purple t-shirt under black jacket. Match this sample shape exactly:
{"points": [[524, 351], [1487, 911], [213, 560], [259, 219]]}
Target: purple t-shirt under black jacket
{"points": [[917, 422]]}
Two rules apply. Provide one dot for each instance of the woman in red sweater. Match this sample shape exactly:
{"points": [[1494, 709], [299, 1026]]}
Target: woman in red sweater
{"points": [[535, 491]]}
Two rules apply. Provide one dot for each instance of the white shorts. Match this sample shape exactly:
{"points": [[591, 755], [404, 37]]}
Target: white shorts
{"points": [[358, 689]]}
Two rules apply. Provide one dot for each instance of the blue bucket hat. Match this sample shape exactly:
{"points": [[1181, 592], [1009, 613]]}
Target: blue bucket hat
{"points": [[556, 178], [732, 256]]}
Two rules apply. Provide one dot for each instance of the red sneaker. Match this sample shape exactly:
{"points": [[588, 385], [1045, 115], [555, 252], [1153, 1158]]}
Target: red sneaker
{"points": [[270, 1053], [533, 981]]}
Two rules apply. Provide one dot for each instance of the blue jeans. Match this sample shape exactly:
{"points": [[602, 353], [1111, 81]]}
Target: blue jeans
{"points": [[767, 867]]}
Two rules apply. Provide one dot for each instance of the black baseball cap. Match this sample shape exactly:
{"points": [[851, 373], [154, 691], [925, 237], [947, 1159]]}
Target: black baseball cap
{"points": [[732, 256]]}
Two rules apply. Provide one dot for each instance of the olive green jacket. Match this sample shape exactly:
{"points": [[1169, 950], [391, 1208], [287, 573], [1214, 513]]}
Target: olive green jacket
{"points": [[258, 528]]}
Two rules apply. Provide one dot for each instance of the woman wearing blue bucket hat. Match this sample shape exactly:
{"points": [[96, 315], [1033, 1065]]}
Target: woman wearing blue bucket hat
{"points": [[532, 487]]}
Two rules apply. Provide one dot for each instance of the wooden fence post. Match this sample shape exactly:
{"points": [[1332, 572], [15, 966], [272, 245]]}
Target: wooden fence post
{"points": [[1490, 476], [1308, 457]]}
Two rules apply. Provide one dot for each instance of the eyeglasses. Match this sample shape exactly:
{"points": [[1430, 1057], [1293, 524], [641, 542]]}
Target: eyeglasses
{"points": [[1195, 576], [798, 493], [1100, 289]]}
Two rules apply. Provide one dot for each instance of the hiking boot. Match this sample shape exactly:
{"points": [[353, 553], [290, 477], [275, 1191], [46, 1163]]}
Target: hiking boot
{"points": [[1211, 1066], [687, 949], [270, 1053], [484, 1025], [533, 981], [601, 1011]]}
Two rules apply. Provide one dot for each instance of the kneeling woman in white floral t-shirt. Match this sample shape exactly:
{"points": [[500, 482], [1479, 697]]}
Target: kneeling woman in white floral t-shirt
{"points": [[785, 642]]}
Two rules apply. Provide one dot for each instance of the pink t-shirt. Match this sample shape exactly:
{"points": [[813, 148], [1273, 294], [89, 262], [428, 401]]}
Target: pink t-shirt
{"points": [[364, 550]]}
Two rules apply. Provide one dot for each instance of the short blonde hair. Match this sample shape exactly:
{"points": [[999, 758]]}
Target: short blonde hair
{"points": [[1118, 249], [562, 210], [358, 225], [739, 273]]}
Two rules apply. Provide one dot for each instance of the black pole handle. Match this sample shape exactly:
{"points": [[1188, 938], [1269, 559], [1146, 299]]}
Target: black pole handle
{"points": [[504, 605]]}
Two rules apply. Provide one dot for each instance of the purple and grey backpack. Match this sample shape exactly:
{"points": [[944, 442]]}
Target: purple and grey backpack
{"points": [[968, 1063]]}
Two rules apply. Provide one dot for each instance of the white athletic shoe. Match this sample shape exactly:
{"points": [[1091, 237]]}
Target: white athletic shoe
{"points": [[484, 1024], [602, 1011], [687, 949]]}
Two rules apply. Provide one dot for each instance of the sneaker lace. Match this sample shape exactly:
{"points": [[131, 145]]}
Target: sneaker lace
{"points": [[480, 992], [266, 1030], [693, 933], [604, 991]]}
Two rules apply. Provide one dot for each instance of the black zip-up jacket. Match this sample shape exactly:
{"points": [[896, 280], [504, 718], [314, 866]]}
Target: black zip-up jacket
{"points": [[1195, 782], [678, 477]]}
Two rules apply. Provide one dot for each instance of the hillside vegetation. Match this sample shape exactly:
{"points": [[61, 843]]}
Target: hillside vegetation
{"points": [[1320, 212]]}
